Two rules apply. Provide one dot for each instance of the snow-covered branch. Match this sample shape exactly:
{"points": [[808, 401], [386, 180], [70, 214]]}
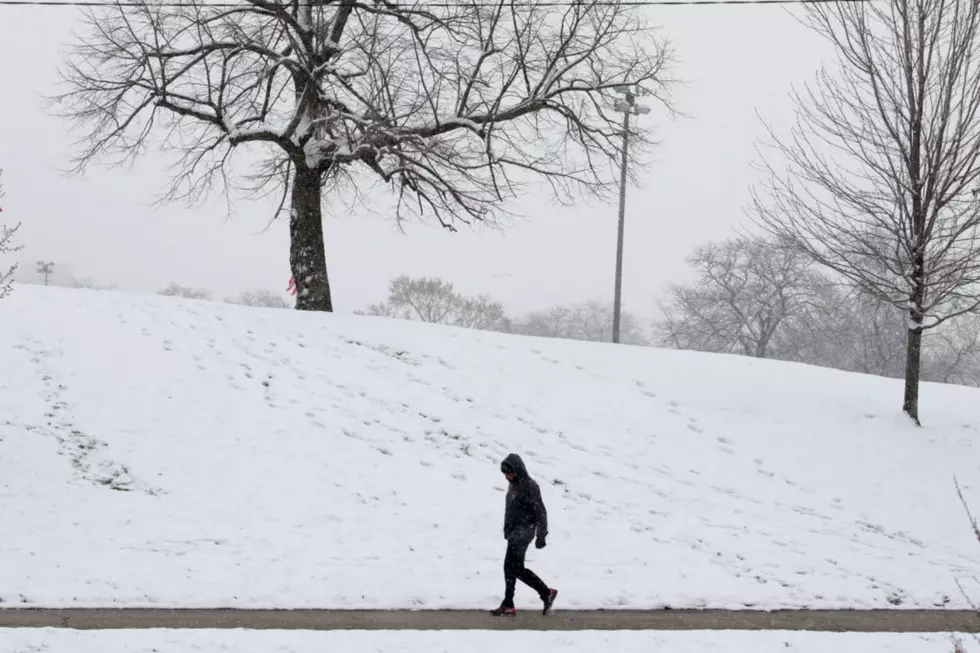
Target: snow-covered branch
{"points": [[6, 247]]}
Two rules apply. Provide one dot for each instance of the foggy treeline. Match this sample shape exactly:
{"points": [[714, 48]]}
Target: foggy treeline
{"points": [[249, 297], [748, 297]]}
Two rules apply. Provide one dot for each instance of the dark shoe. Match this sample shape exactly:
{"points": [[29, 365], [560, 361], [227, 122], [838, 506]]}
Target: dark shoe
{"points": [[504, 611], [549, 601]]}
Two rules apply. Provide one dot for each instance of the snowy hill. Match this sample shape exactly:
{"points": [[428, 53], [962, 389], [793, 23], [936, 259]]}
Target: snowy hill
{"points": [[156, 451]]}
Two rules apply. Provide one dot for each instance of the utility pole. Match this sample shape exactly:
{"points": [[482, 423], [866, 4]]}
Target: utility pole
{"points": [[627, 107], [45, 268]]}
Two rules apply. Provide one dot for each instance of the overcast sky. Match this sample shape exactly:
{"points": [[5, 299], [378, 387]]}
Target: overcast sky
{"points": [[737, 60]]}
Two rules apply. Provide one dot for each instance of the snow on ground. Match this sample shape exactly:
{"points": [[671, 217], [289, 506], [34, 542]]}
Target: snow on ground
{"points": [[166, 452], [279, 641]]}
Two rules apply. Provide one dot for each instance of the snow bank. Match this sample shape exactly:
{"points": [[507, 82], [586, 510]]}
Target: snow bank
{"points": [[273, 641], [156, 451]]}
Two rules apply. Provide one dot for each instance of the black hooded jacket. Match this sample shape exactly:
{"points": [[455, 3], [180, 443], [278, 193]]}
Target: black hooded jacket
{"points": [[525, 512]]}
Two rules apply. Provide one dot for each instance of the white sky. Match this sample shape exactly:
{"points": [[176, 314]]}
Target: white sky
{"points": [[737, 60]]}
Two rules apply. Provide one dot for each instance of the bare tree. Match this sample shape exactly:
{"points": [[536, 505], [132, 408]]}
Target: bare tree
{"points": [[436, 301], [6, 247], [262, 298], [481, 312], [426, 299], [452, 105], [745, 292], [176, 290], [590, 320], [884, 161]]}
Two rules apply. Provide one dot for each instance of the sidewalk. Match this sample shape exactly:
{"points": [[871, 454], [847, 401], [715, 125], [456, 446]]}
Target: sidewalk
{"points": [[812, 620]]}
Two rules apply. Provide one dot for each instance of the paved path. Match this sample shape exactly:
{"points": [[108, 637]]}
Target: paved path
{"points": [[825, 620]]}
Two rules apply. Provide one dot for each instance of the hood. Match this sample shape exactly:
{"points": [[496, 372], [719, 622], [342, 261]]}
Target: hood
{"points": [[515, 464]]}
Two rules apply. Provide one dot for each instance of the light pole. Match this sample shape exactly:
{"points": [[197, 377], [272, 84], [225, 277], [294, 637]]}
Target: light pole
{"points": [[45, 268], [627, 107]]}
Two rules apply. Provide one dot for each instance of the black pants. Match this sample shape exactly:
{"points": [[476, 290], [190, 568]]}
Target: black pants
{"points": [[514, 569]]}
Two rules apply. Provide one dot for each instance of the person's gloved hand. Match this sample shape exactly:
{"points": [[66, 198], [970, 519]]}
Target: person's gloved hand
{"points": [[540, 543]]}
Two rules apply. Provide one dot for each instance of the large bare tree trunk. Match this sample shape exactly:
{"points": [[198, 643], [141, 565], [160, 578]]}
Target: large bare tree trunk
{"points": [[913, 368], [307, 258], [913, 349]]}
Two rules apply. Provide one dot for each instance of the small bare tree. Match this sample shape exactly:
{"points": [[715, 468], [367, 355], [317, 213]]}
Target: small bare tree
{"points": [[555, 322], [590, 320], [7, 247], [958, 646], [176, 290], [481, 312], [261, 298], [436, 301], [745, 292], [426, 299], [452, 105], [884, 163]]}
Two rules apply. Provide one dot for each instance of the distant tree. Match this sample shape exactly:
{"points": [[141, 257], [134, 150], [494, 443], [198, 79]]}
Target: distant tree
{"points": [[481, 312], [90, 283], [745, 293], [591, 320], [381, 309], [847, 329], [878, 180], [555, 322], [952, 352], [262, 298], [425, 299], [436, 301], [176, 290], [6, 247], [755, 299]]}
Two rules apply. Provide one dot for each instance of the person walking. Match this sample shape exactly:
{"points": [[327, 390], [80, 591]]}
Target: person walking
{"points": [[525, 520]]}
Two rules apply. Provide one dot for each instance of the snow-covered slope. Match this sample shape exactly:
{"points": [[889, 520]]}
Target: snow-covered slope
{"points": [[282, 459]]}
